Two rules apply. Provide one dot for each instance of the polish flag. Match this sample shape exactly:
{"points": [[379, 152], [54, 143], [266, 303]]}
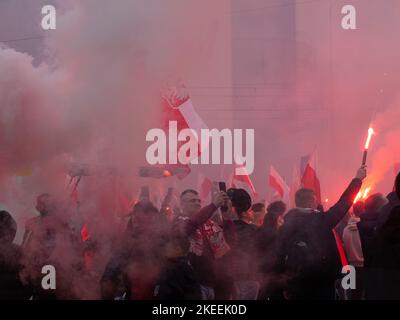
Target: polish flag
{"points": [[277, 182], [204, 186], [177, 106], [310, 179], [244, 179]]}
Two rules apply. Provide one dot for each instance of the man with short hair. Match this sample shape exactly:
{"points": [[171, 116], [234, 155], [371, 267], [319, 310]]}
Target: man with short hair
{"points": [[207, 240], [308, 252], [258, 212]]}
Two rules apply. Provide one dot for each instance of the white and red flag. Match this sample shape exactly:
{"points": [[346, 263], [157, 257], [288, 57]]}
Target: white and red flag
{"points": [[178, 108], [244, 180], [310, 179], [276, 181]]}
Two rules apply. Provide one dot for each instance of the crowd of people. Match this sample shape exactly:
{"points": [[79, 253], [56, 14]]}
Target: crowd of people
{"points": [[227, 249]]}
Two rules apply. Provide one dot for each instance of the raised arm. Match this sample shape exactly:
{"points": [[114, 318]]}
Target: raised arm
{"points": [[198, 219], [338, 211]]}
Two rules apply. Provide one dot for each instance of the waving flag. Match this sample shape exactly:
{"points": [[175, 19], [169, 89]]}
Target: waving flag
{"points": [[277, 182], [178, 107], [310, 179], [244, 179]]}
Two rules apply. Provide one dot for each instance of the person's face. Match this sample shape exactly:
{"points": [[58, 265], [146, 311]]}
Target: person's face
{"points": [[248, 215], [258, 217], [190, 203]]}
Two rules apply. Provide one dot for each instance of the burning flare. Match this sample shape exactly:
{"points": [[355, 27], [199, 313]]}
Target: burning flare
{"points": [[370, 133]]}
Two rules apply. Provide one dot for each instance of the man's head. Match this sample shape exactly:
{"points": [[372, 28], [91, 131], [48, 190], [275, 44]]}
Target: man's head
{"points": [[375, 202], [190, 202], [358, 208], [276, 207], [305, 198], [274, 216], [46, 204], [8, 228], [397, 185], [241, 202], [145, 217], [258, 210]]}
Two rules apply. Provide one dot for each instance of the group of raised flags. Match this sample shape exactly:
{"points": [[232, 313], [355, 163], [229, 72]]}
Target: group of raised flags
{"points": [[177, 106], [306, 178]]}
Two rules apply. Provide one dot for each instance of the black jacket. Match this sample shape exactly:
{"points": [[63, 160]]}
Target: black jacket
{"points": [[382, 261], [318, 226], [11, 287], [178, 281], [367, 228], [244, 251]]}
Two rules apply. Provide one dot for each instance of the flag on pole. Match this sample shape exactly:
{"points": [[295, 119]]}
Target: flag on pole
{"points": [[310, 179], [177, 106], [244, 179], [277, 182], [303, 163]]}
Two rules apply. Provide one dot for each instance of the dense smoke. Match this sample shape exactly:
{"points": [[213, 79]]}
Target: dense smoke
{"points": [[94, 97]]}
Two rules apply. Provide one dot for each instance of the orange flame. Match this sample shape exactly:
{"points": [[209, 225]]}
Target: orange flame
{"points": [[358, 196], [366, 192], [363, 194]]}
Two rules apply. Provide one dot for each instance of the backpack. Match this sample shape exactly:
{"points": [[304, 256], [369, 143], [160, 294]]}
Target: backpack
{"points": [[307, 252]]}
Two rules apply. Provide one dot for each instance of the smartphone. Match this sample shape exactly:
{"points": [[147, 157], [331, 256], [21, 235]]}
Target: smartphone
{"points": [[222, 187]]}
